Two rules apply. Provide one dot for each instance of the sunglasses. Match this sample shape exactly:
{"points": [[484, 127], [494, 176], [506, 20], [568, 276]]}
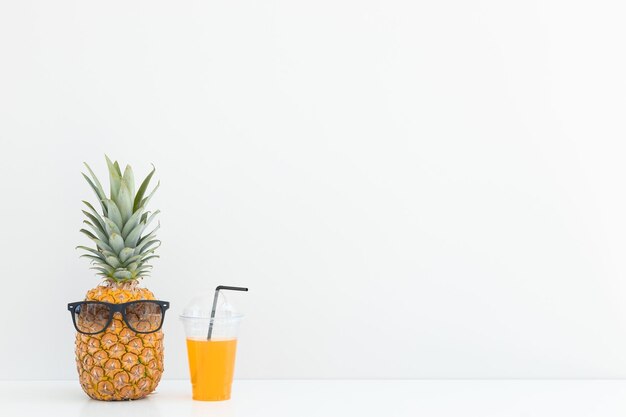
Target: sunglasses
{"points": [[142, 316]]}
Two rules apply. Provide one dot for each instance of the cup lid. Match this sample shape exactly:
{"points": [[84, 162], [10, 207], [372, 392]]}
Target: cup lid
{"points": [[200, 307]]}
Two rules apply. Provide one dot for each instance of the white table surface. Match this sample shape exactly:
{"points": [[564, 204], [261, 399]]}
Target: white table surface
{"points": [[330, 398]]}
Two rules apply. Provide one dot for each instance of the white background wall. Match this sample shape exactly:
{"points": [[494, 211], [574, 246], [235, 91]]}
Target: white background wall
{"points": [[411, 189]]}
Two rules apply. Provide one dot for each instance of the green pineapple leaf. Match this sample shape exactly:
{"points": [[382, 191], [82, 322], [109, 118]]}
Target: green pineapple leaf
{"points": [[133, 236], [99, 193], [151, 234], [108, 253], [89, 234], [129, 178], [117, 169], [102, 246], [95, 252], [145, 201], [96, 186], [98, 222], [114, 214], [125, 254], [150, 257], [110, 227], [104, 268], [132, 259], [143, 246], [151, 217], [124, 202], [142, 189], [122, 275], [113, 261], [117, 243], [99, 233], [132, 222], [115, 177], [86, 255], [132, 267]]}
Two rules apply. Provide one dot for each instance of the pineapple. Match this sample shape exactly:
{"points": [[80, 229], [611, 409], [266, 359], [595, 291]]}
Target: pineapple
{"points": [[120, 364]]}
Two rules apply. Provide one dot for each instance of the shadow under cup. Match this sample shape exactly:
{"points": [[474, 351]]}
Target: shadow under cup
{"points": [[211, 361]]}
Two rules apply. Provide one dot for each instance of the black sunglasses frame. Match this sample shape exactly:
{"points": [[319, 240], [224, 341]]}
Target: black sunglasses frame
{"points": [[117, 308]]}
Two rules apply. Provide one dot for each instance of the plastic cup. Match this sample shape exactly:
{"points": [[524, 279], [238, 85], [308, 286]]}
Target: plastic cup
{"points": [[211, 361]]}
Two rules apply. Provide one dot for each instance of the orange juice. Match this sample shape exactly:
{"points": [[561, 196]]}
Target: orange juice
{"points": [[211, 365]]}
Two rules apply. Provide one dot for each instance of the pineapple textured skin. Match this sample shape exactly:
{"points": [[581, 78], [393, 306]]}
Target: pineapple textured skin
{"points": [[119, 364]]}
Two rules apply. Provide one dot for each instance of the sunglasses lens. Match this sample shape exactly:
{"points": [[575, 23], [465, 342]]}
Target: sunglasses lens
{"points": [[144, 316], [91, 317]]}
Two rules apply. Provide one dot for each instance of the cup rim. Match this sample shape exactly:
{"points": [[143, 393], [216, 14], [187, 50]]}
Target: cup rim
{"points": [[214, 319]]}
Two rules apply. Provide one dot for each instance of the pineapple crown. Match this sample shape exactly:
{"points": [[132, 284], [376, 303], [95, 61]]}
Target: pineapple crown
{"points": [[122, 248]]}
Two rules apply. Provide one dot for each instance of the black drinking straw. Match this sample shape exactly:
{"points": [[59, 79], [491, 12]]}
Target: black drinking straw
{"points": [[217, 293]]}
